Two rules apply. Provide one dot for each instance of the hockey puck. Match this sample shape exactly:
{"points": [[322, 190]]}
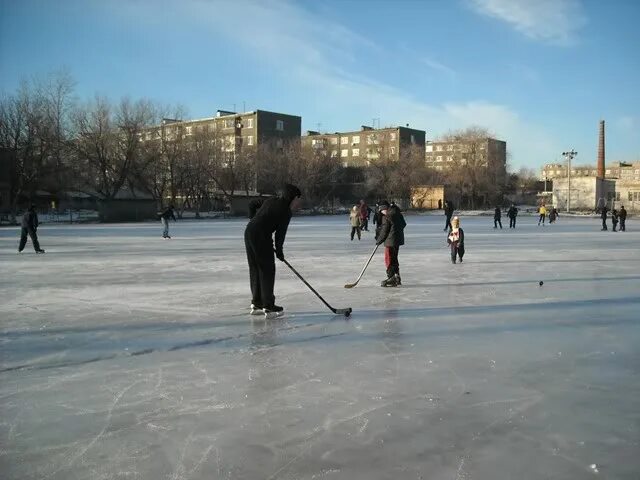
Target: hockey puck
{"points": [[541, 283]]}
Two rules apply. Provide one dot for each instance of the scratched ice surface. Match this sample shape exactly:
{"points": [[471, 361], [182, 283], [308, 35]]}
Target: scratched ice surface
{"points": [[124, 356]]}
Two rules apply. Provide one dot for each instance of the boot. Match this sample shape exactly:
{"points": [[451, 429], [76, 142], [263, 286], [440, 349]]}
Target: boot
{"points": [[398, 280], [255, 309], [389, 282]]}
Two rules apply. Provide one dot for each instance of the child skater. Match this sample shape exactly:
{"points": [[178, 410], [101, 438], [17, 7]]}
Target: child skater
{"points": [[456, 240]]}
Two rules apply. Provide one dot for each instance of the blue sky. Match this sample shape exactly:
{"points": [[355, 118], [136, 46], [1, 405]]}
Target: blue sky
{"points": [[540, 74]]}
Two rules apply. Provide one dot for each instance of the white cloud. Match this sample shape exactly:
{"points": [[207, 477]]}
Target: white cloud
{"points": [[440, 67], [554, 22]]}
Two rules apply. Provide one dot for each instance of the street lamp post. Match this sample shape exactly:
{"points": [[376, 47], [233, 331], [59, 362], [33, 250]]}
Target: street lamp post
{"points": [[569, 156]]}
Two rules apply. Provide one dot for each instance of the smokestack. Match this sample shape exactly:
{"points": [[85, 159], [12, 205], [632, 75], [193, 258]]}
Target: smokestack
{"points": [[601, 151]]}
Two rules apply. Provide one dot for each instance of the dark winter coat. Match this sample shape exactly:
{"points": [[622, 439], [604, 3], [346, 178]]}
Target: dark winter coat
{"points": [[269, 216], [448, 209], [513, 212], [603, 213], [497, 213], [392, 230], [167, 214], [614, 216], [30, 220], [623, 214]]}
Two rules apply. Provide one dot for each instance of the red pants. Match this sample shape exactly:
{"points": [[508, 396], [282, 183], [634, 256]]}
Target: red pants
{"points": [[391, 260]]}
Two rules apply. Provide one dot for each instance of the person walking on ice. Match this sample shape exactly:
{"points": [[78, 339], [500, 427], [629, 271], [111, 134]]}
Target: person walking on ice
{"points": [[603, 216], [456, 240], [497, 218], [354, 218], [164, 218], [268, 217], [512, 214], [543, 213], [623, 218], [448, 212], [392, 235], [30, 228]]}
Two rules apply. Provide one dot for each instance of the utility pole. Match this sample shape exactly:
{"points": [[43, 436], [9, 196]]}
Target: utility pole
{"points": [[569, 156]]}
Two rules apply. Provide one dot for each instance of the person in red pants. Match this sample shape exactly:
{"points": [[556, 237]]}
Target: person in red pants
{"points": [[392, 235]]}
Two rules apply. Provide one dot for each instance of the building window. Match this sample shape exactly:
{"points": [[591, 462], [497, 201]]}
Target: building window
{"points": [[608, 172], [449, 148], [617, 196], [355, 140], [392, 136], [250, 140], [355, 152], [372, 139], [344, 153], [345, 164], [188, 130], [334, 140], [449, 158], [429, 148], [393, 150], [249, 122], [438, 148], [334, 153], [344, 141], [280, 125], [438, 167], [413, 139], [439, 158], [228, 123], [279, 143]]}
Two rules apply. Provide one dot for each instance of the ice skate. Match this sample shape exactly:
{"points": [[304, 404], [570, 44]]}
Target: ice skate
{"points": [[256, 309], [389, 282], [40, 251], [273, 311]]}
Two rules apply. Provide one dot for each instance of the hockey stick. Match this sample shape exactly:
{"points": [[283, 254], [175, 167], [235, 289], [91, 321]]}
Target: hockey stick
{"points": [[351, 285], [342, 311]]}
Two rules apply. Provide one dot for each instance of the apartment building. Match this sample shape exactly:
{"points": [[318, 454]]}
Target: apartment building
{"points": [[489, 152], [618, 170], [360, 148], [233, 131]]}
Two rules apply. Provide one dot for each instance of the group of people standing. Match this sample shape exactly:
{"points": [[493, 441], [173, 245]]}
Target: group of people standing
{"points": [[359, 219], [616, 216]]}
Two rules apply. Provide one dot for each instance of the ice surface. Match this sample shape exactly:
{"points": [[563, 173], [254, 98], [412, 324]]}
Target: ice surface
{"points": [[125, 356]]}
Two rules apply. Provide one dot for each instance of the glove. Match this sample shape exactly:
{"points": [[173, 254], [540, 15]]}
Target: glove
{"points": [[280, 255]]}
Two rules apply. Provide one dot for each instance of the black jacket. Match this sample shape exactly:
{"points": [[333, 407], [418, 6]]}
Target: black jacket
{"points": [[603, 213], [497, 214], [167, 214], [623, 214], [392, 231], [448, 209], [30, 220], [513, 212], [269, 216]]}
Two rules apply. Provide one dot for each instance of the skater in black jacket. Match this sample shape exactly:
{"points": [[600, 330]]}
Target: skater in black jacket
{"points": [[623, 219], [164, 218], [269, 216], [392, 235], [512, 214], [497, 218], [448, 212], [603, 216], [614, 219], [30, 227]]}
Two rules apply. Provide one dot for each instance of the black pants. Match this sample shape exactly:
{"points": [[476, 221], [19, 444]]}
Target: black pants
{"points": [[622, 226], [34, 239], [355, 230], [541, 219], [615, 224], [391, 261], [447, 224], [262, 269], [604, 224], [496, 222], [456, 250], [365, 224], [512, 222]]}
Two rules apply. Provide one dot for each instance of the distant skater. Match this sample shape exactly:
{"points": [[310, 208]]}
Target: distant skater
{"points": [[30, 228], [603, 216], [456, 240], [512, 214], [364, 215], [268, 217], [623, 218], [448, 212], [354, 218], [543, 213], [552, 215], [497, 218], [614, 219], [164, 218]]}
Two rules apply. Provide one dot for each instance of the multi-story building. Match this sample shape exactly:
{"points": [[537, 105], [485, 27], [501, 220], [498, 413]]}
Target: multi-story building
{"points": [[234, 131], [360, 148], [618, 170], [487, 152]]}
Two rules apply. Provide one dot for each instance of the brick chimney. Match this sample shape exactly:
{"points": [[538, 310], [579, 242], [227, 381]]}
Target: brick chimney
{"points": [[601, 151]]}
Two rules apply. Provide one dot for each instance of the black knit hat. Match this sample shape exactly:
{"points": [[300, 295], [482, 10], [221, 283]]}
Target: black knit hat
{"points": [[383, 205], [289, 192]]}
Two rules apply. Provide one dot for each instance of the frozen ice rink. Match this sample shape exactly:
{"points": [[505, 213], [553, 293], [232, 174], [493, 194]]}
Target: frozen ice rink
{"points": [[125, 356]]}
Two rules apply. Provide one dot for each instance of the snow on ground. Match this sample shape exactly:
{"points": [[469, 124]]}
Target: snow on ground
{"points": [[127, 356]]}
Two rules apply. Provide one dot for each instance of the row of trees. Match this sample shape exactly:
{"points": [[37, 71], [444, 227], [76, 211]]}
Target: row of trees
{"points": [[56, 143]]}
